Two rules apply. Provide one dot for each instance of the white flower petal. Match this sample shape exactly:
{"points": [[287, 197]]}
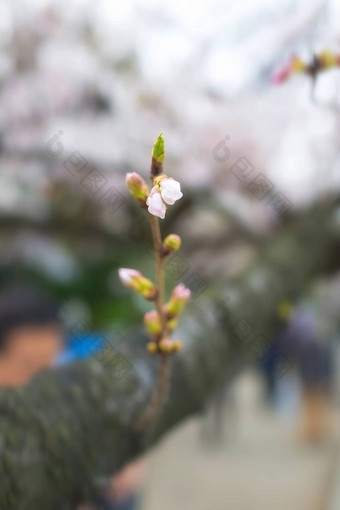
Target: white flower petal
{"points": [[170, 190], [156, 205]]}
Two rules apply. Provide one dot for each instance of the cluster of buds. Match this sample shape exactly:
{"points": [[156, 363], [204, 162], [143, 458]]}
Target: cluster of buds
{"points": [[171, 311], [159, 323], [164, 346], [320, 62]]}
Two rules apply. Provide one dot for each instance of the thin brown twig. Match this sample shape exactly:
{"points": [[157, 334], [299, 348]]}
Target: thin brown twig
{"points": [[163, 380], [157, 240], [159, 396]]}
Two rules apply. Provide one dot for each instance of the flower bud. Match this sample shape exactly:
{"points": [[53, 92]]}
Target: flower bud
{"points": [[152, 347], [298, 65], [166, 346], [179, 298], [137, 186], [135, 280], [171, 324], [177, 345], [295, 65], [281, 75], [157, 155], [328, 59], [152, 322], [171, 243]]}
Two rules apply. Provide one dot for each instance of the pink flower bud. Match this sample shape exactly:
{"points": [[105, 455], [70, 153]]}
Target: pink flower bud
{"points": [[152, 322], [295, 65], [179, 298], [171, 243], [181, 292], [135, 280], [281, 76], [137, 186], [166, 346]]}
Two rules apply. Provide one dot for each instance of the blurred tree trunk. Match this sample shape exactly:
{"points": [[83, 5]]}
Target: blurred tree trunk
{"points": [[65, 433]]}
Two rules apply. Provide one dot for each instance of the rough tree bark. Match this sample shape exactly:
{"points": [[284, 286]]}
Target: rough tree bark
{"points": [[66, 432]]}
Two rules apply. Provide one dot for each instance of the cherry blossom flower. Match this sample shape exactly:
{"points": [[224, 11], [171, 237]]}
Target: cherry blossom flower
{"points": [[155, 204], [165, 191], [170, 190]]}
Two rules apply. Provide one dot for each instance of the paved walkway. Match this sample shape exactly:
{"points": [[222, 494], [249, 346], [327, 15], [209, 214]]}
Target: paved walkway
{"points": [[260, 465]]}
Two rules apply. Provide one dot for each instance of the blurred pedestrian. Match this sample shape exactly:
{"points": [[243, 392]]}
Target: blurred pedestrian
{"points": [[31, 335]]}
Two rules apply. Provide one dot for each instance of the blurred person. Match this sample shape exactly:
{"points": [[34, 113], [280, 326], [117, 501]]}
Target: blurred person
{"points": [[32, 340], [269, 363], [317, 369], [306, 342], [31, 334]]}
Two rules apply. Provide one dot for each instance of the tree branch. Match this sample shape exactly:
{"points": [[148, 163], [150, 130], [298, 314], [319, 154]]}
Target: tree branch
{"points": [[65, 432]]}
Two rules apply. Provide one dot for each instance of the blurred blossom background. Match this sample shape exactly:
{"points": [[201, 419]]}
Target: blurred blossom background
{"points": [[85, 89]]}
